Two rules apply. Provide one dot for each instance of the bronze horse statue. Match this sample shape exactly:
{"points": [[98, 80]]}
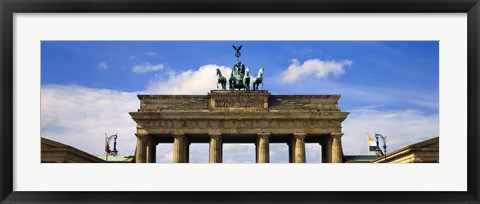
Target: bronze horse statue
{"points": [[221, 80], [258, 80]]}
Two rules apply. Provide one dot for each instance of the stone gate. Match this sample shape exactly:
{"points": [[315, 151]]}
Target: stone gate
{"points": [[239, 117]]}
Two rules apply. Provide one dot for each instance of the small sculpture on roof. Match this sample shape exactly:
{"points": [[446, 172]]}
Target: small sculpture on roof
{"points": [[240, 76]]}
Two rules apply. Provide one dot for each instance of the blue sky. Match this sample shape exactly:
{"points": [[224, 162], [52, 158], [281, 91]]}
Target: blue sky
{"points": [[388, 87]]}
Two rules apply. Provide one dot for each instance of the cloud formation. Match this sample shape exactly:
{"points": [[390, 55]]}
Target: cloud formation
{"points": [[402, 127], [238, 153], [195, 82], [102, 65], [80, 117], [314, 67], [147, 67]]}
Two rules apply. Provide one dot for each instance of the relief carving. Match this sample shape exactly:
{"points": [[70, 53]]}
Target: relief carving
{"points": [[239, 101], [227, 124]]}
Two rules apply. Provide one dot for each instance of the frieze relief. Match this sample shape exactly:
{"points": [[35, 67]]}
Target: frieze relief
{"points": [[226, 124]]}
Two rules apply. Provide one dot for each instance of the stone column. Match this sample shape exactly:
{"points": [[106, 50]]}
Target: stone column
{"points": [[327, 150], [336, 150], [216, 148], [150, 149], [154, 152], [179, 148], [290, 151], [263, 148], [187, 150], [140, 151], [299, 147]]}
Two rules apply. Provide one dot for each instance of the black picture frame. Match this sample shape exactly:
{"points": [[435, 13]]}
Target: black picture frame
{"points": [[10, 7]]}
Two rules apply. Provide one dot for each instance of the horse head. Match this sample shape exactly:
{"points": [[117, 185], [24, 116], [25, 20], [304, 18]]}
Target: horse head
{"points": [[260, 72], [219, 73]]}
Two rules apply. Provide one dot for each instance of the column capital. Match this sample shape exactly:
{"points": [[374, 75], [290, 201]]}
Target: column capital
{"points": [[263, 134], [141, 136], [299, 135], [176, 134], [215, 135], [336, 134]]}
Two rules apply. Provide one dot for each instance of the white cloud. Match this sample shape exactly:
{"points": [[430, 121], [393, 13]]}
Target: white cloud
{"points": [[238, 153], [316, 67], [164, 153], [147, 67], [80, 117], [199, 153], [278, 153], [151, 54], [402, 128], [102, 65], [199, 81]]}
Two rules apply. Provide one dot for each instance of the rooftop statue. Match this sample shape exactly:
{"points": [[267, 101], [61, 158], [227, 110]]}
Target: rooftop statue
{"points": [[237, 51], [240, 76], [221, 80], [258, 80]]}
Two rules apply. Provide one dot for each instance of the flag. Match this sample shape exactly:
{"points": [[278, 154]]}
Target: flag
{"points": [[372, 145]]}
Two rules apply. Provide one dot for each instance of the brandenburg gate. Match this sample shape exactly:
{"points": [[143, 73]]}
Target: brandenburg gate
{"points": [[239, 116]]}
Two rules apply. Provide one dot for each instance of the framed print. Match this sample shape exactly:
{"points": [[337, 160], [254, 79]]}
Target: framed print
{"points": [[256, 102]]}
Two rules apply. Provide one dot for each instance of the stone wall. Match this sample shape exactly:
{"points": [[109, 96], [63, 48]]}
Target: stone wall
{"points": [[159, 103], [256, 101], [304, 102]]}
